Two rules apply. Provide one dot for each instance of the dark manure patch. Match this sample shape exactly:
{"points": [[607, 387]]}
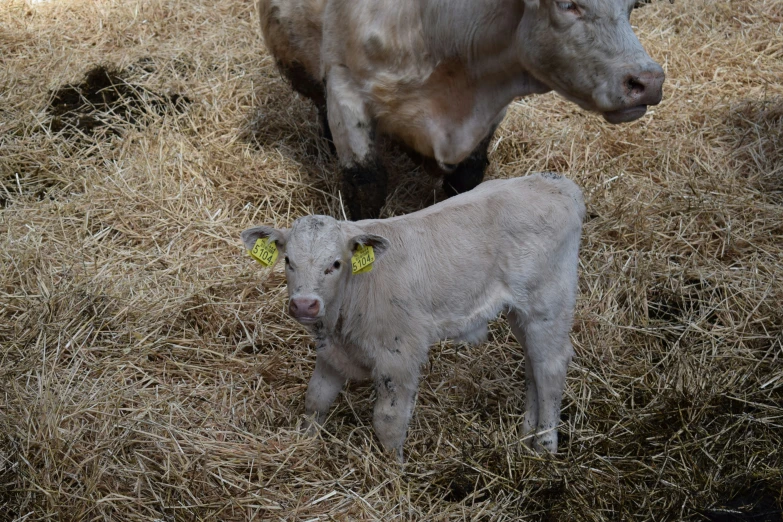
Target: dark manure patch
{"points": [[105, 100], [754, 503], [462, 482]]}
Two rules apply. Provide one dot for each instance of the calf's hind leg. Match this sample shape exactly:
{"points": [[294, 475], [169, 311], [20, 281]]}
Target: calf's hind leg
{"points": [[548, 351], [531, 393]]}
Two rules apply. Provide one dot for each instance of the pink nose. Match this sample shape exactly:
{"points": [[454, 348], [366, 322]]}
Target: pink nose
{"points": [[645, 88], [304, 308]]}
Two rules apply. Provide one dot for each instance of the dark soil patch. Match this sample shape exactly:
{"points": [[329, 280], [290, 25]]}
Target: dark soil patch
{"points": [[105, 99]]}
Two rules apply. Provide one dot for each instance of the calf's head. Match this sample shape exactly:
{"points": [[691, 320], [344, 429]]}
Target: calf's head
{"points": [[587, 52], [317, 252]]}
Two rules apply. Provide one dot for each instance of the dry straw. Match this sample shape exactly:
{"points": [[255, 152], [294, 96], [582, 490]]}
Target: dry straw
{"points": [[147, 369]]}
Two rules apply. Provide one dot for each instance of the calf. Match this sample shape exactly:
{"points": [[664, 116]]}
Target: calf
{"points": [[376, 294], [438, 75]]}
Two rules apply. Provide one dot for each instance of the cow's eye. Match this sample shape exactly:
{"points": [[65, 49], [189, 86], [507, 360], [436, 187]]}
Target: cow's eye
{"points": [[288, 263], [567, 6], [336, 265]]}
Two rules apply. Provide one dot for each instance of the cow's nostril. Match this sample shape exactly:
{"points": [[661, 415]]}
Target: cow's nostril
{"points": [[634, 86], [313, 305]]}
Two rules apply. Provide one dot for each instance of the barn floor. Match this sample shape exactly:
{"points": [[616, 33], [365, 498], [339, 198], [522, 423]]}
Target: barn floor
{"points": [[147, 369]]}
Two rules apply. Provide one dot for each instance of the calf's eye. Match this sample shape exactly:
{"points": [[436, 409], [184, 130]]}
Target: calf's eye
{"points": [[288, 263], [331, 269]]}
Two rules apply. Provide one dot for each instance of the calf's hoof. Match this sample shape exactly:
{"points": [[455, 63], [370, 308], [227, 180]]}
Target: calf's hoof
{"points": [[395, 455], [545, 443]]}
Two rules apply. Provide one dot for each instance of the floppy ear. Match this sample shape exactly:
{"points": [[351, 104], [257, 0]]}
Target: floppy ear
{"points": [[251, 235], [379, 244]]}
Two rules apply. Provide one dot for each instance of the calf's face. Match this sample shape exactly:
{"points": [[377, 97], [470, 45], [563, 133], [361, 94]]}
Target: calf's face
{"points": [[317, 253], [587, 51]]}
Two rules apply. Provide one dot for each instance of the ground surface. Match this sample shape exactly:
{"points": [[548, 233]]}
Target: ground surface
{"points": [[148, 372]]}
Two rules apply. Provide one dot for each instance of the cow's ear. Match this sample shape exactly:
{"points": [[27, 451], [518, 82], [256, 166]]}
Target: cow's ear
{"points": [[251, 235], [379, 244]]}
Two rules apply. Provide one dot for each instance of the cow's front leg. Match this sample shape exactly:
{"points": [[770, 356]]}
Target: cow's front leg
{"points": [[353, 134], [323, 118], [324, 386], [470, 172], [393, 409]]}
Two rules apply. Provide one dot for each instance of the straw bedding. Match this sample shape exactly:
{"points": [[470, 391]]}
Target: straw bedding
{"points": [[147, 368]]}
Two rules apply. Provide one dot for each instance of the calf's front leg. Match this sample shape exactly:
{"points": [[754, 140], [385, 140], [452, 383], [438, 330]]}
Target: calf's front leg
{"points": [[393, 410], [324, 386]]}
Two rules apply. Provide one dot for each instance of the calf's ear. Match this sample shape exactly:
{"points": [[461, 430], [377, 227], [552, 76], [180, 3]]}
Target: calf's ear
{"points": [[379, 244], [251, 235]]}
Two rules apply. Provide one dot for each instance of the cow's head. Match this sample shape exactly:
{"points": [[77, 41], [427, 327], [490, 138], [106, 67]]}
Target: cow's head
{"points": [[317, 252], [587, 52]]}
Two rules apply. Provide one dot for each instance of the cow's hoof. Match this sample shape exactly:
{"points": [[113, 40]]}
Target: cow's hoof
{"points": [[466, 177], [311, 426], [364, 190]]}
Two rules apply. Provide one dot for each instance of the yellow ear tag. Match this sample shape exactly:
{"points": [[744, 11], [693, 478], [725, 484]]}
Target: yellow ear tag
{"points": [[264, 251], [362, 259]]}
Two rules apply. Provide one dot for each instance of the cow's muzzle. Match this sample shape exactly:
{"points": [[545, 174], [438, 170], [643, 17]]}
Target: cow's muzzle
{"points": [[625, 115], [640, 90], [306, 310]]}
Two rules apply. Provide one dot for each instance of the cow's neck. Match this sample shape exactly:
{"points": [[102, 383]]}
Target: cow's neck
{"points": [[483, 37], [474, 29]]}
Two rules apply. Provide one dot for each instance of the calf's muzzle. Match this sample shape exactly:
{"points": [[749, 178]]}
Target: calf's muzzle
{"points": [[304, 308]]}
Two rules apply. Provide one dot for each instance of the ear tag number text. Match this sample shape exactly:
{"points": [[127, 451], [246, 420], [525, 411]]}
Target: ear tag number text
{"points": [[264, 251], [362, 259]]}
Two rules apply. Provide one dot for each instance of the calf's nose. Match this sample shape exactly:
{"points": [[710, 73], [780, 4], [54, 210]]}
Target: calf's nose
{"points": [[645, 87], [304, 307]]}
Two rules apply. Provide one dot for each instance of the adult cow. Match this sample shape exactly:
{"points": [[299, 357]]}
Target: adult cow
{"points": [[438, 75]]}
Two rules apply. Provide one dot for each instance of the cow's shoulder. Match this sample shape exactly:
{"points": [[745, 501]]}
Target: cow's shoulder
{"points": [[369, 36]]}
